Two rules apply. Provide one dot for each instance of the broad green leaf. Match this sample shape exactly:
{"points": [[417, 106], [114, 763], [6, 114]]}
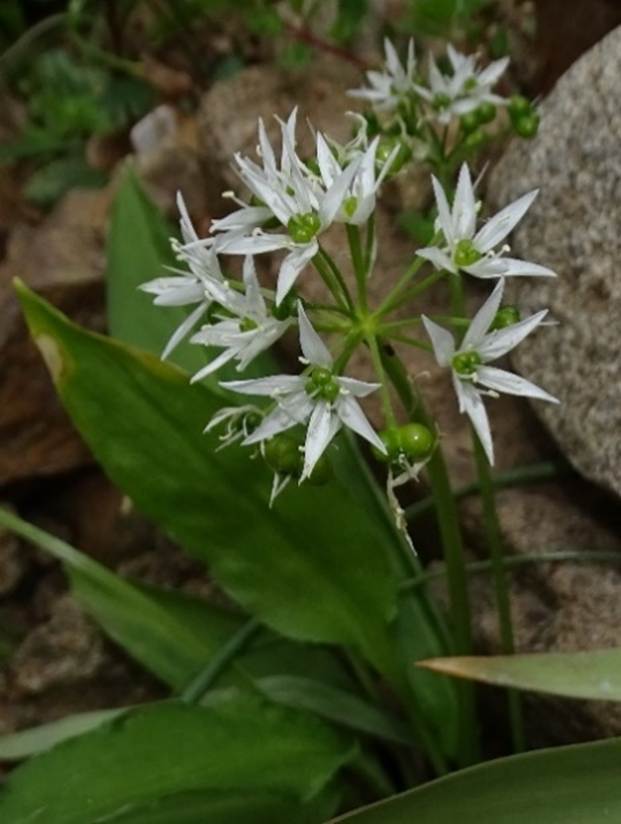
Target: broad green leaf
{"points": [[595, 674], [568, 785], [138, 248], [155, 752], [313, 568], [334, 704], [16, 746]]}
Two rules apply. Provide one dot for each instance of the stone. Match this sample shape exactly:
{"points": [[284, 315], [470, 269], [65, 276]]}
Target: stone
{"points": [[64, 650], [63, 260], [574, 228]]}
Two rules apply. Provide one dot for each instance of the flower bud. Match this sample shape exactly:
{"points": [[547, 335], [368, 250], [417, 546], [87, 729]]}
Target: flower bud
{"points": [[303, 228], [282, 454], [505, 316], [527, 125], [416, 441]]}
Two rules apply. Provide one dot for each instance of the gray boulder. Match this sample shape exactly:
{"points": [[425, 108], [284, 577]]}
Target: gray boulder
{"points": [[575, 227]]}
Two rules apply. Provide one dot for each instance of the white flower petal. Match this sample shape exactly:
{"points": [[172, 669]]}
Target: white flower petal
{"points": [[214, 365], [491, 74], [292, 266], [322, 427], [494, 267], [441, 340], [498, 227], [313, 348], [254, 298], [188, 233], [272, 386], [254, 244], [245, 218], [502, 381], [179, 334], [464, 213], [498, 343], [444, 213], [272, 424], [438, 257], [482, 320], [359, 389], [471, 403], [333, 198], [351, 414], [328, 166], [267, 153]]}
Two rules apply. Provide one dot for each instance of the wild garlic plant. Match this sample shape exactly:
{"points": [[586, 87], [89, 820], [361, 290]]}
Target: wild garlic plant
{"points": [[435, 117], [293, 201]]}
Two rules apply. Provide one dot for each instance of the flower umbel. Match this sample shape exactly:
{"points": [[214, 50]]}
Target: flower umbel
{"points": [[389, 87], [320, 397], [463, 248], [246, 330], [472, 377], [464, 90]]}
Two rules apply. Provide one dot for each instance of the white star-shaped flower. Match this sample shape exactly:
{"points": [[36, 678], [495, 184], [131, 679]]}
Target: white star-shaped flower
{"points": [[186, 288], [465, 89], [472, 377], [463, 248], [250, 331], [291, 194], [358, 202], [325, 400], [389, 87]]}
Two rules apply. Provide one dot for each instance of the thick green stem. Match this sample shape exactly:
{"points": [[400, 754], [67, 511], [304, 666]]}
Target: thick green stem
{"points": [[503, 603], [378, 365], [453, 552], [360, 268], [404, 294], [199, 685], [334, 283]]}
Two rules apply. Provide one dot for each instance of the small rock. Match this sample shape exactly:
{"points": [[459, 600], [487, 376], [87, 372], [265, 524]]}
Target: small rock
{"points": [[574, 228], [65, 650]]}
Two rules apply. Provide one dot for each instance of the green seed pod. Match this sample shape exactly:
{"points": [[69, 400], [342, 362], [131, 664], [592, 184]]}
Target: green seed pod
{"points": [[527, 126], [465, 253], [287, 308], [505, 316], [390, 438], [475, 140], [248, 325], [469, 122], [303, 228], [416, 441], [385, 149], [486, 113], [465, 363], [519, 106], [322, 473], [282, 454], [251, 421]]}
